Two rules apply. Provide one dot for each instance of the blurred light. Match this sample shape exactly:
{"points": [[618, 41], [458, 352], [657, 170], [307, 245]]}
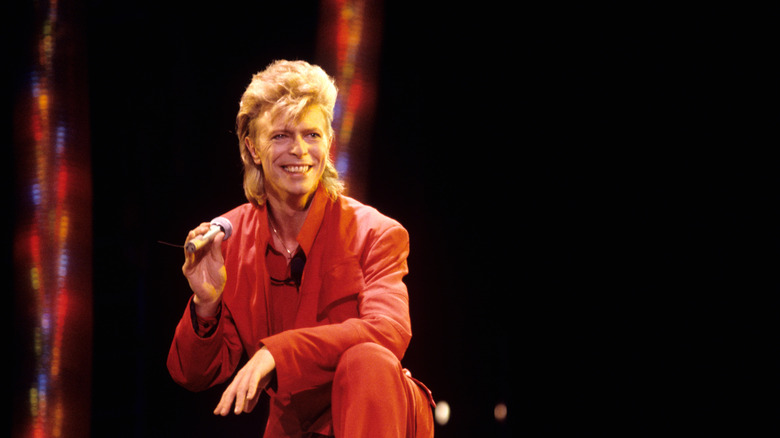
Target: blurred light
{"points": [[54, 260], [348, 37], [500, 412], [442, 413]]}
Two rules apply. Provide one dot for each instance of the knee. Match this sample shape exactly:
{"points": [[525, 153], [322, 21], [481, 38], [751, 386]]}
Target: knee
{"points": [[367, 360], [368, 393]]}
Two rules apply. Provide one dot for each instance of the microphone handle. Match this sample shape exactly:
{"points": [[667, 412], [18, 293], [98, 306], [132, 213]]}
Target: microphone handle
{"points": [[200, 241]]}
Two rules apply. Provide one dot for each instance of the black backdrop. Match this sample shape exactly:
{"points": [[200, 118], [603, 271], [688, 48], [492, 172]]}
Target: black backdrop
{"points": [[590, 211]]}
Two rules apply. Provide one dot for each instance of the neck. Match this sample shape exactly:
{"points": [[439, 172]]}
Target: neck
{"points": [[287, 219]]}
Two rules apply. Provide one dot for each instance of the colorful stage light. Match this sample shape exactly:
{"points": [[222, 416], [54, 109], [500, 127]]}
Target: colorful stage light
{"points": [[52, 247], [349, 48]]}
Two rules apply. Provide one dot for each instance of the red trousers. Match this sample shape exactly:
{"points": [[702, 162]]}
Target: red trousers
{"points": [[373, 396]]}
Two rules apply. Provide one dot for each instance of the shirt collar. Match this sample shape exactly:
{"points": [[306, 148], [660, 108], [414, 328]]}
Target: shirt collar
{"points": [[313, 219]]}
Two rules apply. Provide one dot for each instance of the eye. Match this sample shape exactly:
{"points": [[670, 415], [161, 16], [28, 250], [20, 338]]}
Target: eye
{"points": [[314, 135], [278, 137]]}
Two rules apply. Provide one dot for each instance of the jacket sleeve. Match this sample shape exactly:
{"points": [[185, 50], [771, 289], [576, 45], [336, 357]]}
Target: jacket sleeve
{"points": [[307, 357], [198, 363]]}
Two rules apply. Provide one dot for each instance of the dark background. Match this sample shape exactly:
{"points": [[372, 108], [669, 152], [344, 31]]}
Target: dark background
{"points": [[590, 204]]}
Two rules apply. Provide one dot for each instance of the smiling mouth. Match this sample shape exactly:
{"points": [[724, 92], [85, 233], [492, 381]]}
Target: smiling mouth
{"points": [[298, 169]]}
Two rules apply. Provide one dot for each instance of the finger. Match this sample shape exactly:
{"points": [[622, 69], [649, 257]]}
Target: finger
{"points": [[257, 382], [203, 247], [254, 383], [197, 232], [223, 407], [235, 392], [230, 394], [247, 390], [200, 230], [216, 246], [193, 258], [240, 398]]}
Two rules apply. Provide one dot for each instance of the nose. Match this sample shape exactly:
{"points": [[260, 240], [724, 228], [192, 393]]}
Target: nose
{"points": [[299, 147]]}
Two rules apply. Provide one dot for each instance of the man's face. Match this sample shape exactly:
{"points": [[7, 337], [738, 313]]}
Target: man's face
{"points": [[293, 154]]}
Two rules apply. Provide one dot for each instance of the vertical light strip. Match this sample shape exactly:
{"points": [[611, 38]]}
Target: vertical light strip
{"points": [[52, 149], [44, 185], [349, 41]]}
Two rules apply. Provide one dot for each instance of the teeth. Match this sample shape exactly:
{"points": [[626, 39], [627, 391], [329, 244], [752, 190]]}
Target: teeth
{"points": [[296, 169]]}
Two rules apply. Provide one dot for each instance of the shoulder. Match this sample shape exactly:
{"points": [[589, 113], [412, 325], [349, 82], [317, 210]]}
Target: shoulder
{"points": [[365, 228], [244, 220], [241, 211], [242, 215], [363, 216]]}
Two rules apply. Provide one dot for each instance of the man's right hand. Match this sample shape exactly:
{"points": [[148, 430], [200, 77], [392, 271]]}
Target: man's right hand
{"points": [[205, 272]]}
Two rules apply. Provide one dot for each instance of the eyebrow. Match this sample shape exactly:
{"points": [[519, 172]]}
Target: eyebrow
{"points": [[302, 127], [312, 129], [291, 128]]}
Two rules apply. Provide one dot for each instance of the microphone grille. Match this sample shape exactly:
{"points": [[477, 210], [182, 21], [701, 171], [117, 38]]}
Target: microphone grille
{"points": [[225, 224]]}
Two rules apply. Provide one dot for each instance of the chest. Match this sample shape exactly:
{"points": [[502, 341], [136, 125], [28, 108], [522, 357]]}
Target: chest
{"points": [[262, 300]]}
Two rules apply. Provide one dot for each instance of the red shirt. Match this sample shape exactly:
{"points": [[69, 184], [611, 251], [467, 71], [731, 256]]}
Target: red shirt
{"points": [[283, 295]]}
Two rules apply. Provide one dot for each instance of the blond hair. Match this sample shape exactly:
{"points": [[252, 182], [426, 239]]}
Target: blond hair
{"points": [[285, 89]]}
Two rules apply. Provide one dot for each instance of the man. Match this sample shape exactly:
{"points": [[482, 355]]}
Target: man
{"points": [[309, 284]]}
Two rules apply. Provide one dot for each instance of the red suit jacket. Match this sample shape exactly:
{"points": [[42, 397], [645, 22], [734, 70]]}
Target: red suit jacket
{"points": [[351, 292]]}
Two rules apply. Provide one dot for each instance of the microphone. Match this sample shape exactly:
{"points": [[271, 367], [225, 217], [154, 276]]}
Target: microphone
{"points": [[217, 224]]}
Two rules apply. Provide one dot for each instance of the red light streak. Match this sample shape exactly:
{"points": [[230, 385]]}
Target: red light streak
{"points": [[349, 32], [56, 177]]}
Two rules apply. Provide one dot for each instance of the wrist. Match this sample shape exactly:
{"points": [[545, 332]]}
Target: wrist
{"points": [[206, 309], [204, 326]]}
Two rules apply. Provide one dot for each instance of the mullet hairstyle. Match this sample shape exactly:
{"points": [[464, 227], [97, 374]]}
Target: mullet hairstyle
{"points": [[285, 89]]}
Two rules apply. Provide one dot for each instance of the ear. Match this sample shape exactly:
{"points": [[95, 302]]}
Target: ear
{"points": [[330, 141], [250, 146]]}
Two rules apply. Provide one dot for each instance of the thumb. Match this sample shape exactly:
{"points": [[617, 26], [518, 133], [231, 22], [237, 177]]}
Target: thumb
{"points": [[216, 247], [251, 401]]}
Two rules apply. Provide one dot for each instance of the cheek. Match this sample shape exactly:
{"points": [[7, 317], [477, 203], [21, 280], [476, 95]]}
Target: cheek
{"points": [[322, 157], [324, 150], [268, 153], [258, 151]]}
